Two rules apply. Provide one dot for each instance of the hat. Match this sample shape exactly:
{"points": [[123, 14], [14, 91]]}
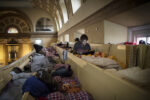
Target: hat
{"points": [[37, 48]]}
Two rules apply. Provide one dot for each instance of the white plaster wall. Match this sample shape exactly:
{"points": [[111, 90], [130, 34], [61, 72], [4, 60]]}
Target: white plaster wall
{"points": [[114, 33], [88, 8]]}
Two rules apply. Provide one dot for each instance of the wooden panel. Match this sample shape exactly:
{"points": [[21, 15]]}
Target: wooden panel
{"points": [[119, 51], [102, 84], [101, 47]]}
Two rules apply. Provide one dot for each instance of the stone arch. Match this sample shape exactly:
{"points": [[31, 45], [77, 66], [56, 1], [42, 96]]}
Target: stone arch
{"points": [[16, 19]]}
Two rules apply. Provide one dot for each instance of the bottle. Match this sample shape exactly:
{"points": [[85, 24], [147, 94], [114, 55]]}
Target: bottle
{"points": [[64, 55]]}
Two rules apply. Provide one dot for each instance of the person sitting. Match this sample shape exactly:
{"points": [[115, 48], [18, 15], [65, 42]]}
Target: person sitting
{"points": [[82, 46], [39, 60], [76, 40], [142, 42]]}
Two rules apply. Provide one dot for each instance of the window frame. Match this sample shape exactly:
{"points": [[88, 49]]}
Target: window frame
{"points": [[14, 28], [42, 19], [38, 41]]}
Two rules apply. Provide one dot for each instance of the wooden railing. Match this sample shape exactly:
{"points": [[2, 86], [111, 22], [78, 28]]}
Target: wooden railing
{"points": [[5, 76], [102, 84]]}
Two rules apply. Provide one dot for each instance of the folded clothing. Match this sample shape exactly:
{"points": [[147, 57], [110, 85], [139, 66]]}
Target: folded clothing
{"points": [[102, 62]]}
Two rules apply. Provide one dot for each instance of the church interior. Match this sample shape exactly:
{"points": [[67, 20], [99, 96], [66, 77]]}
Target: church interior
{"points": [[113, 27]]}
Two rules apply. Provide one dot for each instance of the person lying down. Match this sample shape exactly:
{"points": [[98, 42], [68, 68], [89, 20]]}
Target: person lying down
{"points": [[12, 91]]}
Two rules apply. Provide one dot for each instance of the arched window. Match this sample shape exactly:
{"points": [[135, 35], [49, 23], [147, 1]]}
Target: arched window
{"points": [[44, 24], [12, 30], [64, 10], [76, 4], [59, 19]]}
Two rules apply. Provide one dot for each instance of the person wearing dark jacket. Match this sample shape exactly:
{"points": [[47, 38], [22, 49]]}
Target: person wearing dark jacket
{"points": [[82, 46], [40, 85]]}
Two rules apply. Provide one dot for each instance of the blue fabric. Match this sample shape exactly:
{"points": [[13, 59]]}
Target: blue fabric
{"points": [[35, 87]]}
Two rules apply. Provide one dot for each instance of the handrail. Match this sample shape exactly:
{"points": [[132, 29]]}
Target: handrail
{"points": [[17, 61], [5, 77], [103, 84]]}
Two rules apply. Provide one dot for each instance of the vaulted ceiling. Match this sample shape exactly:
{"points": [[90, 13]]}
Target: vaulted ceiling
{"points": [[47, 5], [51, 6], [137, 16], [15, 6]]}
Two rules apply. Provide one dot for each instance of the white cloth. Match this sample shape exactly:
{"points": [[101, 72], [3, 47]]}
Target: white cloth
{"points": [[136, 74], [16, 76], [103, 62], [39, 61]]}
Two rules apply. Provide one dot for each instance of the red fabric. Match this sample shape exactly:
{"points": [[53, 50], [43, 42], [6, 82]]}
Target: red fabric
{"points": [[56, 96], [42, 98], [82, 95], [131, 43]]}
